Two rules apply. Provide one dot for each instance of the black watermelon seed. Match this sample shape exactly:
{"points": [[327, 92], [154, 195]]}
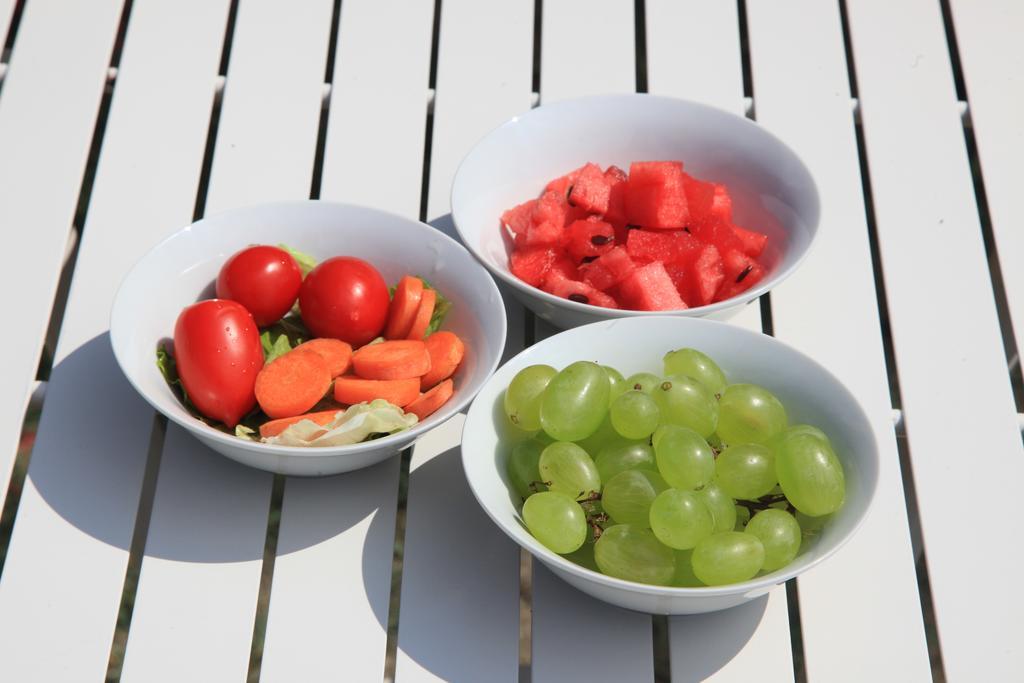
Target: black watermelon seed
{"points": [[588, 259], [579, 298], [745, 273], [600, 240], [632, 226]]}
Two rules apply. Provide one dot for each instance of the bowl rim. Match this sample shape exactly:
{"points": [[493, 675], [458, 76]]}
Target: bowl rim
{"points": [[398, 439], [697, 311], [752, 587]]}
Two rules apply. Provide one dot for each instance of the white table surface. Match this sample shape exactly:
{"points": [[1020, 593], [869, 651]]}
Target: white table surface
{"points": [[139, 555]]}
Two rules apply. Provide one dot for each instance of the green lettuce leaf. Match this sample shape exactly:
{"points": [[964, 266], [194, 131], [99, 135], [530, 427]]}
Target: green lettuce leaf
{"points": [[283, 336], [305, 261]]}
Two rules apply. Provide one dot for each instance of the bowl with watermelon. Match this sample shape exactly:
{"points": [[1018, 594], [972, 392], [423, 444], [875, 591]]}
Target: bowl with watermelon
{"points": [[632, 205]]}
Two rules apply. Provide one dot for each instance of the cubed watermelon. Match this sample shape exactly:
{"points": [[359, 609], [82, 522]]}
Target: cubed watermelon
{"points": [[655, 197], [531, 264], [702, 276], [562, 184], [608, 270], [517, 219], [752, 242], [616, 213], [649, 288], [717, 233], [666, 246], [741, 273], [721, 204], [576, 290], [590, 189], [699, 198], [547, 222], [589, 239]]}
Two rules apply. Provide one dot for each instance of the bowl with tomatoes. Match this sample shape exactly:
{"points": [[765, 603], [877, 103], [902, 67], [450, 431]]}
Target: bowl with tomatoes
{"points": [[308, 338], [634, 205]]}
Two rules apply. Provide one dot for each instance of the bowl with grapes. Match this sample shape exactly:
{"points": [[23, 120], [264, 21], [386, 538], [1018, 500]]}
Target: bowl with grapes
{"points": [[670, 465]]}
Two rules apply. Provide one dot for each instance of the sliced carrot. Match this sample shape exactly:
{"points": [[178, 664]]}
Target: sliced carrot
{"points": [[337, 353], [275, 427], [446, 351], [397, 359], [352, 390], [423, 315], [427, 403], [292, 384], [403, 308]]}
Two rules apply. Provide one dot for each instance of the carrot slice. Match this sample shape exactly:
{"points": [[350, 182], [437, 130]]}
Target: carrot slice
{"points": [[275, 427], [403, 308], [432, 400], [352, 390], [397, 359], [292, 384], [446, 351], [337, 353], [423, 315]]}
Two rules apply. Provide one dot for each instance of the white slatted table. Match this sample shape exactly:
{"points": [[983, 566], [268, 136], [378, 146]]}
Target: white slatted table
{"points": [[150, 559]]}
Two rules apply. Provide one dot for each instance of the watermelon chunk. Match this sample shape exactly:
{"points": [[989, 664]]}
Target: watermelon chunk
{"points": [[655, 197], [590, 189], [517, 219], [562, 184], [721, 204], [589, 239], [531, 264], [718, 233], [702, 276], [699, 198], [608, 270], [645, 246], [575, 290], [752, 243], [649, 288], [547, 222], [741, 273]]}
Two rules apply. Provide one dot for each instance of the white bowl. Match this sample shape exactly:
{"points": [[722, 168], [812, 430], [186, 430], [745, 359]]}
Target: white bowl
{"points": [[181, 270], [810, 393], [771, 189]]}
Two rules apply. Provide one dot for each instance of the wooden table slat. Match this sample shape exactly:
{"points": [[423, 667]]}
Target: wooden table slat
{"points": [[992, 58], [66, 563], [374, 156], [459, 570], [957, 402], [207, 561], [48, 107], [801, 93]]}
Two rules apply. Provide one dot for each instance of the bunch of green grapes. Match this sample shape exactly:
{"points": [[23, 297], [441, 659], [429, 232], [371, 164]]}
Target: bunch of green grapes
{"points": [[681, 479]]}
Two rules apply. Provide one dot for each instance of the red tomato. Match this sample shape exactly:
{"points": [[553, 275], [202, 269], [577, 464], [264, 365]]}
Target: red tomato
{"points": [[218, 353], [264, 279], [345, 298]]}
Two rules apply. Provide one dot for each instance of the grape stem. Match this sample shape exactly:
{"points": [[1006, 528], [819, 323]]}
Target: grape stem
{"points": [[765, 502]]}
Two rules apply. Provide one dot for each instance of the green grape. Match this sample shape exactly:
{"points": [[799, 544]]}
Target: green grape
{"points": [[686, 402], [684, 576], [680, 519], [523, 467], [780, 535], [575, 401], [634, 415], [618, 457], [684, 458], [627, 496], [567, 468], [643, 381], [722, 507], [523, 396], [748, 413], [633, 553], [556, 520], [742, 518], [616, 381], [811, 525], [728, 557], [746, 471], [810, 474], [695, 364], [584, 557]]}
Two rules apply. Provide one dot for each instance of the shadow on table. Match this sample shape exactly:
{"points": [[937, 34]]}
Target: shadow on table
{"points": [[90, 456], [703, 644], [458, 615]]}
